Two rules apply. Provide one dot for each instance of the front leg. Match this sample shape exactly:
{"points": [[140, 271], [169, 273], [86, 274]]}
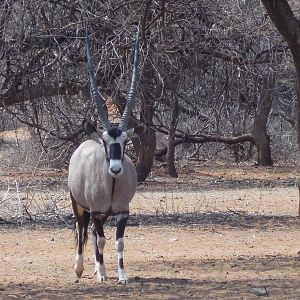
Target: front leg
{"points": [[121, 225], [99, 241]]}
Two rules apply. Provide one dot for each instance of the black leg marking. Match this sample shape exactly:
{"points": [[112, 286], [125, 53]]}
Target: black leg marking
{"points": [[98, 256], [121, 263], [99, 243], [121, 225]]}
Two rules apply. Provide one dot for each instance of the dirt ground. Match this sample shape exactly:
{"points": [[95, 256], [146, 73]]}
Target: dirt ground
{"points": [[213, 233]]}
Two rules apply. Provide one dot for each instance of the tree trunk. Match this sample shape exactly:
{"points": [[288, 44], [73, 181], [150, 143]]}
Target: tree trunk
{"points": [[171, 139], [298, 99], [145, 148], [289, 26], [146, 155], [261, 136], [148, 141], [264, 157]]}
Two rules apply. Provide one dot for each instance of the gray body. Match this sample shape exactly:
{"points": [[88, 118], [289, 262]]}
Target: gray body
{"points": [[102, 179], [92, 186]]}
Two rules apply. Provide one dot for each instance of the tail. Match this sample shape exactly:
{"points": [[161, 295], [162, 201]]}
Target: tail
{"points": [[82, 219], [86, 220]]}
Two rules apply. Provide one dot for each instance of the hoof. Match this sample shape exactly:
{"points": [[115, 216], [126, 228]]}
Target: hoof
{"points": [[78, 271], [101, 278], [79, 265], [123, 281]]}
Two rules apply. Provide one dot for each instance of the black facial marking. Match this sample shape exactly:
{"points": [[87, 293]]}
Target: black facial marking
{"points": [[114, 132], [115, 151]]}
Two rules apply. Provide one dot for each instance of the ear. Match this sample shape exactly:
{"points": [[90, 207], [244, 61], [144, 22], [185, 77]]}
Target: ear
{"points": [[89, 129], [137, 131]]}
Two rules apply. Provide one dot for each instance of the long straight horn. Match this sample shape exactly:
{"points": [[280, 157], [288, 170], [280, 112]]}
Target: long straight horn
{"points": [[100, 104], [131, 95]]}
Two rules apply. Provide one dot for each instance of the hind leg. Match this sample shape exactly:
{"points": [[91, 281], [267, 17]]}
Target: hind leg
{"points": [[82, 221], [99, 241]]}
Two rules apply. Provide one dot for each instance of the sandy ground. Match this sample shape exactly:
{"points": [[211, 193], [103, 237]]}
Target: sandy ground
{"points": [[213, 233]]}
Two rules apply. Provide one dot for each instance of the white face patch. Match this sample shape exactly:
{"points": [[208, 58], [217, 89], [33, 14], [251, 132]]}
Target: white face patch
{"points": [[115, 168]]}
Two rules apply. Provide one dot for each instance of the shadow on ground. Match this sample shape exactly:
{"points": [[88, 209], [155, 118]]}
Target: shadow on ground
{"points": [[229, 219], [232, 219], [284, 286]]}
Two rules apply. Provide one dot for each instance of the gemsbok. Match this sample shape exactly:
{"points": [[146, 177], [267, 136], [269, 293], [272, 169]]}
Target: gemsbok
{"points": [[102, 178]]}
